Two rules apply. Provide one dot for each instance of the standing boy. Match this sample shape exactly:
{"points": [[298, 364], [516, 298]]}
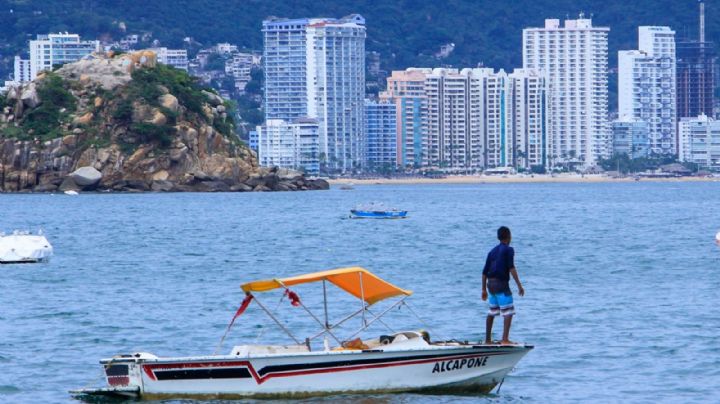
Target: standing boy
{"points": [[499, 265]]}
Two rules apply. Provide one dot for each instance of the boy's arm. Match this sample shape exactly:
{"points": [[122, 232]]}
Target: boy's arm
{"points": [[514, 274], [484, 287]]}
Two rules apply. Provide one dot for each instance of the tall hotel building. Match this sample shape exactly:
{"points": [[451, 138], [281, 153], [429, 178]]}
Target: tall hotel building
{"points": [[646, 86], [574, 59], [316, 68], [452, 126], [381, 132], [470, 118], [284, 58], [514, 118], [406, 89]]}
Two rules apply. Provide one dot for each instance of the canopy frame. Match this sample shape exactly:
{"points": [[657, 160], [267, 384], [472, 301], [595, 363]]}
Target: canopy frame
{"points": [[383, 291]]}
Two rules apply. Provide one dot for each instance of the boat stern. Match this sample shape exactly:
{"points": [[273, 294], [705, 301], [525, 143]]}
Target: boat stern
{"points": [[123, 377]]}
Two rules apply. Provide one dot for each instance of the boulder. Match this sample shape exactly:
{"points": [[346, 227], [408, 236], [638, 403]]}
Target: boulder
{"points": [[254, 180], [86, 176], [162, 186], [137, 185], [240, 188], [212, 186], [169, 101], [69, 184], [213, 98], [284, 186], [45, 188], [319, 184], [201, 176], [83, 119], [261, 188], [161, 175], [29, 96], [98, 102], [158, 118]]}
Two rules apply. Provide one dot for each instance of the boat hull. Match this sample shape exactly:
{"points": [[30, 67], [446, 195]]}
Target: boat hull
{"points": [[24, 249], [362, 214], [467, 369]]}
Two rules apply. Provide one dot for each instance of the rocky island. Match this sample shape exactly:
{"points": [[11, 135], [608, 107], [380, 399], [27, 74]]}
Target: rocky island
{"points": [[126, 123]]}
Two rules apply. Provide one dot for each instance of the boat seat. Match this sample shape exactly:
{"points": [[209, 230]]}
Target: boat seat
{"points": [[251, 350]]}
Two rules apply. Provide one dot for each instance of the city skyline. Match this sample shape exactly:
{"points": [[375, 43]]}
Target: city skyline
{"points": [[478, 131]]}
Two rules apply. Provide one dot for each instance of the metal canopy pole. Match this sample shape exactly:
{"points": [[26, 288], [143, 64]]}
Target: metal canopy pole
{"points": [[348, 317], [276, 320], [378, 317], [362, 297], [313, 316], [327, 324]]}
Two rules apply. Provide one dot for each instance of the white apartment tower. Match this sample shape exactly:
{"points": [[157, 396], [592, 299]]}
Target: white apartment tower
{"points": [[56, 49], [291, 145], [21, 70], [452, 125], [647, 86], [527, 116], [316, 68], [336, 89], [478, 118], [284, 59], [574, 59]]}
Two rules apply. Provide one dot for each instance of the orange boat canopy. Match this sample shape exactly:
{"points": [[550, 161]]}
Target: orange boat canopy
{"points": [[373, 289]]}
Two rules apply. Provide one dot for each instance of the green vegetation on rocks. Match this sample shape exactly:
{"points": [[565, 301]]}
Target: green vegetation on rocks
{"points": [[142, 126]]}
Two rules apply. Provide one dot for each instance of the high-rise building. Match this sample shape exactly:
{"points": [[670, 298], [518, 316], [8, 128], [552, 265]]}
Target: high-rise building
{"points": [[574, 59], [336, 89], [381, 133], [470, 118], [406, 89], [284, 60], [57, 49], [452, 127], [514, 120], [527, 116], [290, 145], [316, 68], [22, 71], [176, 58], [646, 86], [631, 137], [696, 64], [700, 141]]}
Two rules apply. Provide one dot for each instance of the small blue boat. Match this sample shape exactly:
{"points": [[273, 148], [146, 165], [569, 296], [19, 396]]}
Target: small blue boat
{"points": [[377, 212]]}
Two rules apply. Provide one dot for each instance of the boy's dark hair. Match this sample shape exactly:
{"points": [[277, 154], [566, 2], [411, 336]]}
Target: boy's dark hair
{"points": [[503, 233]]}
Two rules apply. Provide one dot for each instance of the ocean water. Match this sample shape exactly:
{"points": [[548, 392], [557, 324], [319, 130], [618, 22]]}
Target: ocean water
{"points": [[622, 281]]}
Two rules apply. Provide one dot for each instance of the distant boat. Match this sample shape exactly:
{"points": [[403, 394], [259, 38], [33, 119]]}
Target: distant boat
{"points": [[71, 192], [347, 187], [717, 237], [22, 247], [377, 211]]}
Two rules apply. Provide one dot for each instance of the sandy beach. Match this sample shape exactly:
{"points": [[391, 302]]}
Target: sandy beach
{"points": [[501, 179]]}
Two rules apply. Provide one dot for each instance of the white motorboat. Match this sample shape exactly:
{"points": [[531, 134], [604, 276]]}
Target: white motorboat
{"points": [[22, 247], [397, 362]]}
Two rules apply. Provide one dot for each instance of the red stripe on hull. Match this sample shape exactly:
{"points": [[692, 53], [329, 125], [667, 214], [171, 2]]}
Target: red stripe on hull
{"points": [[149, 368]]}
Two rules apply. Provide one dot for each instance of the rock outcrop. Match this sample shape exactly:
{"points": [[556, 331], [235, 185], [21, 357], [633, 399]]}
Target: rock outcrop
{"points": [[125, 123]]}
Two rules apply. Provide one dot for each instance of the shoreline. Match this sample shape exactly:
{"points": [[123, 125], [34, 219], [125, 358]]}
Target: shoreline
{"points": [[512, 179]]}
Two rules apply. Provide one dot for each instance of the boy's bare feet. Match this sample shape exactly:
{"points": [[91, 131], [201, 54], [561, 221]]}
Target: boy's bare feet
{"points": [[507, 342]]}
